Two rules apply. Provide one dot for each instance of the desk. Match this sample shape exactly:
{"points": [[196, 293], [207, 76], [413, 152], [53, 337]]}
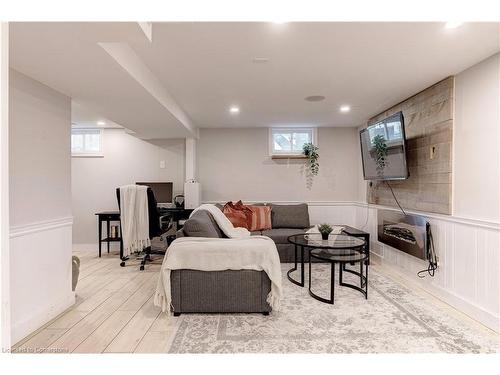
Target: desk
{"points": [[108, 217]]}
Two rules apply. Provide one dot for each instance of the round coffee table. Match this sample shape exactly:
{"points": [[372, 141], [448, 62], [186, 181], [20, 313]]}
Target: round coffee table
{"points": [[309, 241], [342, 257]]}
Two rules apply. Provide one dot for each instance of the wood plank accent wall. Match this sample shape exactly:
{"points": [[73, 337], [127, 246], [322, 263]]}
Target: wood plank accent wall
{"points": [[428, 119]]}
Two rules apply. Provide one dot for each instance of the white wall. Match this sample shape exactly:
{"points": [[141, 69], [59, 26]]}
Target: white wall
{"points": [[126, 160], [40, 204], [476, 157], [235, 164], [5, 342]]}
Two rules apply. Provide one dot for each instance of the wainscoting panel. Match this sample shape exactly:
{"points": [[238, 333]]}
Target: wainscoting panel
{"points": [[464, 261], [469, 262], [447, 252], [40, 274], [332, 212], [489, 262]]}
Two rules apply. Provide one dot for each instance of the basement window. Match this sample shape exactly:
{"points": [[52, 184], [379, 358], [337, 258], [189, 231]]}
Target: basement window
{"points": [[288, 142], [86, 142]]}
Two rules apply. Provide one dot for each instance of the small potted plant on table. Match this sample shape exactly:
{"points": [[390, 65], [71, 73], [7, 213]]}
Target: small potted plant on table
{"points": [[325, 230]]}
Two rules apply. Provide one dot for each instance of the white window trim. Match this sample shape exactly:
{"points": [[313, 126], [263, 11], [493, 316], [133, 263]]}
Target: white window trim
{"points": [[90, 154], [314, 132]]}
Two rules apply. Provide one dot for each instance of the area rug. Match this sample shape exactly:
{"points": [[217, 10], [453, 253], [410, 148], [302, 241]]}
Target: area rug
{"points": [[394, 319]]}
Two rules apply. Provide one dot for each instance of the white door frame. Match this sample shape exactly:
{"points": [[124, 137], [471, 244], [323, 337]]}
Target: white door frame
{"points": [[4, 188]]}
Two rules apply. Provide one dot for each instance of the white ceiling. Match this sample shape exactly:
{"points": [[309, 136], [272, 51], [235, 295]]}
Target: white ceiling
{"points": [[204, 68], [66, 56], [83, 117]]}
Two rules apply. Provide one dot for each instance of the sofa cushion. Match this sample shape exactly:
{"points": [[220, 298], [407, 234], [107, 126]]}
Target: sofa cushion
{"points": [[280, 235], [290, 216], [238, 214], [260, 219], [202, 224]]}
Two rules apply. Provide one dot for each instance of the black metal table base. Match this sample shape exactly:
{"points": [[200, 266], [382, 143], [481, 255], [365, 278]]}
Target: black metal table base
{"points": [[363, 288], [301, 282], [291, 279], [362, 276], [332, 287], [360, 247]]}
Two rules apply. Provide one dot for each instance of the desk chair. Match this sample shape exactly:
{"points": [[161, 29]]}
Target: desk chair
{"points": [[159, 224]]}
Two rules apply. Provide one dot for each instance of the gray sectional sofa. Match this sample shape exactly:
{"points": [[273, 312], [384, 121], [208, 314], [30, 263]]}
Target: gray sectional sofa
{"points": [[286, 220], [230, 291], [233, 291]]}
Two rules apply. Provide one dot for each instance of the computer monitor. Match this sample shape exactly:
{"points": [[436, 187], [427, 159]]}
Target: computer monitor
{"points": [[163, 191]]}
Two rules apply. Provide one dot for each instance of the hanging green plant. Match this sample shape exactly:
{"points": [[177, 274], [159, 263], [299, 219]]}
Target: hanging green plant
{"points": [[311, 151], [380, 153]]}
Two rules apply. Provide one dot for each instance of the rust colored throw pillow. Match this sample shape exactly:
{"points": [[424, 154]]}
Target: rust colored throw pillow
{"points": [[238, 214], [260, 219]]}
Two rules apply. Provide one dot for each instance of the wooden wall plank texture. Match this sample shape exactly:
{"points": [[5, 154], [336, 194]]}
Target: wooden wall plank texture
{"points": [[428, 119]]}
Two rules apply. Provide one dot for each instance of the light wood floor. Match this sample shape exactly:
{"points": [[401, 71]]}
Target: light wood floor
{"points": [[114, 312]]}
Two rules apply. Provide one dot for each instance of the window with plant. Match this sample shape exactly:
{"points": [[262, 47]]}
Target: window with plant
{"points": [[290, 141]]}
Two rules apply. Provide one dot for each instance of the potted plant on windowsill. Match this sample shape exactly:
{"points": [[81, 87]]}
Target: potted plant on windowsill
{"points": [[325, 230]]}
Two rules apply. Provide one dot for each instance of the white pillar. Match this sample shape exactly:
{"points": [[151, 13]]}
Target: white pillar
{"points": [[192, 190], [4, 186], [190, 159]]}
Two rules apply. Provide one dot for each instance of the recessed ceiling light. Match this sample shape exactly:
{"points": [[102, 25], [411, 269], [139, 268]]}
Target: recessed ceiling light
{"points": [[101, 123], [314, 98], [345, 108], [452, 25], [234, 109]]}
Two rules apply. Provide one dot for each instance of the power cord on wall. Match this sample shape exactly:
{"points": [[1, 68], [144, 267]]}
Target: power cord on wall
{"points": [[431, 256], [396, 199]]}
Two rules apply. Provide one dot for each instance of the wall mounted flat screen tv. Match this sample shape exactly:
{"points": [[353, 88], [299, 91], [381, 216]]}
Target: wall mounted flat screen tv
{"points": [[383, 149]]}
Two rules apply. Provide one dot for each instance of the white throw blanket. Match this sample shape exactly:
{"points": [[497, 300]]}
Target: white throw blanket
{"points": [[134, 216], [223, 222], [218, 254]]}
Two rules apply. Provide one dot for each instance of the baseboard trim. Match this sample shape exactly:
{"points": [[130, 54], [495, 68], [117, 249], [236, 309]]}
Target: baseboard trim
{"points": [[38, 318], [41, 226]]}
